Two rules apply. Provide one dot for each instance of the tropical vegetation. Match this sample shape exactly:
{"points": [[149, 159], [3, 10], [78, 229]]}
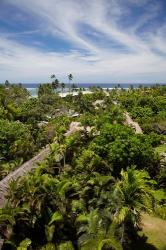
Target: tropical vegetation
{"points": [[99, 179]]}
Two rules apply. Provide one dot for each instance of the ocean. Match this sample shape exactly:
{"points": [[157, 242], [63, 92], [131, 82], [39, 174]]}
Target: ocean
{"points": [[32, 87]]}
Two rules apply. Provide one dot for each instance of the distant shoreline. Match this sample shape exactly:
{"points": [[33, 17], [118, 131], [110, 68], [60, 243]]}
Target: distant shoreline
{"points": [[32, 88], [102, 85]]}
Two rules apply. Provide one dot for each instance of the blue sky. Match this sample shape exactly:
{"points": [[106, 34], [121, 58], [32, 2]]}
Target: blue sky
{"points": [[95, 40]]}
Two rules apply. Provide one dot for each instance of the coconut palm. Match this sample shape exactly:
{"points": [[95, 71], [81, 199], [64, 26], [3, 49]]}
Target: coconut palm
{"points": [[74, 87], [133, 194], [70, 77], [62, 86], [94, 234], [53, 76], [55, 84], [7, 84]]}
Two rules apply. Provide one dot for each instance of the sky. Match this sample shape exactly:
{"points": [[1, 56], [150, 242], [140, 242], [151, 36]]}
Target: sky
{"points": [[98, 41]]}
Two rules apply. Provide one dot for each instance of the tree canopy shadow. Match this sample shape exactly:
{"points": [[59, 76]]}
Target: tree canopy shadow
{"points": [[140, 243]]}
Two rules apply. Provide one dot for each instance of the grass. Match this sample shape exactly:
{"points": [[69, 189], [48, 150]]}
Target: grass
{"points": [[161, 149], [155, 230]]}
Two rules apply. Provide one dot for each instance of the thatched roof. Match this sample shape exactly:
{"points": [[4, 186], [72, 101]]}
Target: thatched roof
{"points": [[21, 171]]}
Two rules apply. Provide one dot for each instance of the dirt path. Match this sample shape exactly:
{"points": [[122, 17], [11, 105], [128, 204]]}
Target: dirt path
{"points": [[129, 121], [133, 124], [23, 170], [155, 229]]}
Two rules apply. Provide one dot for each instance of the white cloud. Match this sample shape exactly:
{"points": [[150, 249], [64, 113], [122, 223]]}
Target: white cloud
{"points": [[90, 60]]}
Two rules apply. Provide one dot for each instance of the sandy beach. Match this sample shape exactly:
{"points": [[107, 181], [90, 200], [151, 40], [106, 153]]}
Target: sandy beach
{"points": [[74, 93]]}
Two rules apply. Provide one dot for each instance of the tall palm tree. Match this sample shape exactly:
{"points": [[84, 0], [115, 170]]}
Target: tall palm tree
{"points": [[73, 86], [53, 76], [70, 77], [7, 84], [133, 194], [62, 86], [55, 84]]}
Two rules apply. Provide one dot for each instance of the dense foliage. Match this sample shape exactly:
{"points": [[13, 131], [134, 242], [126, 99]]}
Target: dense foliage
{"points": [[148, 106], [26, 123], [90, 191]]}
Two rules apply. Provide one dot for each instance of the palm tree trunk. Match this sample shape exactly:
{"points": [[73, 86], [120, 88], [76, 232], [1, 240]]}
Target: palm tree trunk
{"points": [[69, 86], [122, 236], [64, 160]]}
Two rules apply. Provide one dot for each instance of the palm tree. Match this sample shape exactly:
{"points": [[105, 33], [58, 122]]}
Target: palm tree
{"points": [[70, 77], [7, 84], [133, 194], [55, 82], [53, 76], [95, 235], [73, 86], [62, 86]]}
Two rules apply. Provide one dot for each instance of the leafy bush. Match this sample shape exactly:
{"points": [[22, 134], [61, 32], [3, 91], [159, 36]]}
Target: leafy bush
{"points": [[15, 141]]}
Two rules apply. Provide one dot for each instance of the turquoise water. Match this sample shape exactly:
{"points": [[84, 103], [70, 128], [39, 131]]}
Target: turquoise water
{"points": [[32, 91], [32, 87]]}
